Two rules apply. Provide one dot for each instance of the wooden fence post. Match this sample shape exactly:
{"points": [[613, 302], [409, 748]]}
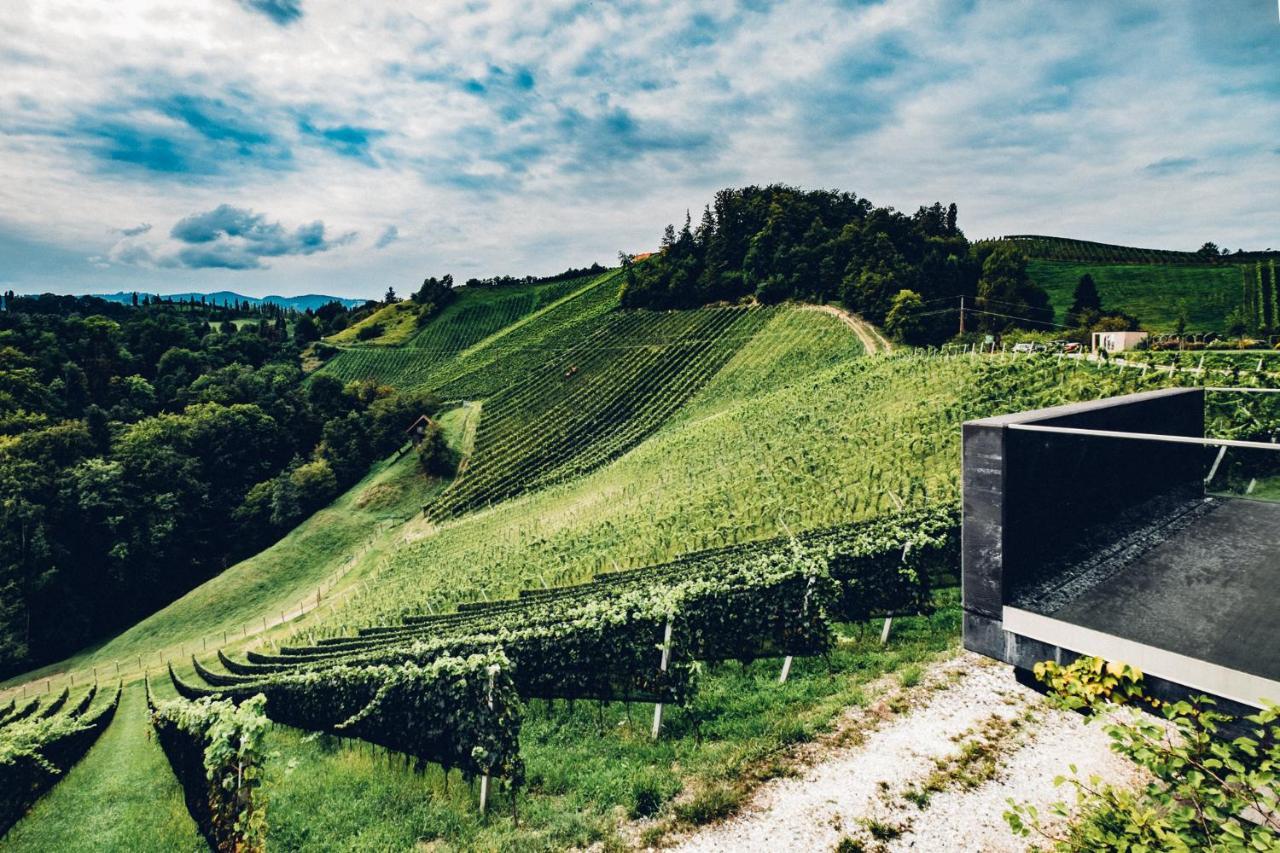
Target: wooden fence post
{"points": [[666, 659], [804, 608], [484, 780]]}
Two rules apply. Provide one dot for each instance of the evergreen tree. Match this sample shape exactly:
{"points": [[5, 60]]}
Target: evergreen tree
{"points": [[305, 330], [1264, 298], [95, 420], [1085, 300]]}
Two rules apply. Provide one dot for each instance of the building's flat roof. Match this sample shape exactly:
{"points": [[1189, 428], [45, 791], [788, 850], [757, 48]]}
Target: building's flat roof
{"points": [[1208, 591], [1069, 409]]}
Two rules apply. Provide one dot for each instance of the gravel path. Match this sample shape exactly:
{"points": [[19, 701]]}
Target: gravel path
{"points": [[833, 799]]}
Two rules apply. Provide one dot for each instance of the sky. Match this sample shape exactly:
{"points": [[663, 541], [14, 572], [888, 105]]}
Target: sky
{"points": [[303, 146]]}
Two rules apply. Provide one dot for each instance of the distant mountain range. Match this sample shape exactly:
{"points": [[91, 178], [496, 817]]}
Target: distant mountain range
{"points": [[297, 303]]}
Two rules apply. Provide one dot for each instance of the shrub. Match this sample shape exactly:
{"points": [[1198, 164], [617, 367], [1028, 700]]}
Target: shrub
{"points": [[435, 456], [1207, 791], [648, 793], [369, 332]]}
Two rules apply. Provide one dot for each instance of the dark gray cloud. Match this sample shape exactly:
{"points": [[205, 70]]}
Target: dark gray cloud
{"points": [[387, 237], [136, 230], [1171, 165], [232, 238], [283, 12]]}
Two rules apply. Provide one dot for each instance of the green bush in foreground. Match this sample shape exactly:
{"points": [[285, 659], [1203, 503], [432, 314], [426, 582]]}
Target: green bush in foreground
{"points": [[1208, 791]]}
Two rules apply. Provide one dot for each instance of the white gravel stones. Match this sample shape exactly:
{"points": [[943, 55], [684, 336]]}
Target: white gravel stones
{"points": [[831, 799]]}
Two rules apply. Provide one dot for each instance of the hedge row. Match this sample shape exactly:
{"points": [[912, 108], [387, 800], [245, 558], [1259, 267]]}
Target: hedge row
{"points": [[35, 753], [216, 751], [605, 646], [456, 712]]}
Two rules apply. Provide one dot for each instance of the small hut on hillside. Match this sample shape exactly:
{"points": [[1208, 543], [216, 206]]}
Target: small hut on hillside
{"points": [[417, 430]]}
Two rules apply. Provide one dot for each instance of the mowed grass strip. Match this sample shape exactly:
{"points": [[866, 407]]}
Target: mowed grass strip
{"points": [[121, 796]]}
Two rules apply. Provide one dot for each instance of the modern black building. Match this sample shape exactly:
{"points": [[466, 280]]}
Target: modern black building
{"points": [[1116, 529]]}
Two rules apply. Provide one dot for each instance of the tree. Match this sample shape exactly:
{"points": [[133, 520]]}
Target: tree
{"points": [[903, 321], [1007, 293], [1236, 325], [434, 294], [95, 420], [305, 330], [391, 297], [1209, 251], [435, 457], [1084, 299], [1180, 326]]}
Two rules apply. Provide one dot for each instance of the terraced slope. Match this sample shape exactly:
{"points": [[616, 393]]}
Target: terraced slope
{"points": [[595, 400], [794, 431], [480, 312], [464, 350], [847, 442]]}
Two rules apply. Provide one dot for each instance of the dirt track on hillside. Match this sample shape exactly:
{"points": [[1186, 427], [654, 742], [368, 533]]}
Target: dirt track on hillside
{"points": [[872, 341]]}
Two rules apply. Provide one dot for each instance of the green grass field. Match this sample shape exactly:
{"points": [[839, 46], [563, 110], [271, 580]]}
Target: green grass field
{"points": [[1155, 293], [687, 431], [398, 323]]}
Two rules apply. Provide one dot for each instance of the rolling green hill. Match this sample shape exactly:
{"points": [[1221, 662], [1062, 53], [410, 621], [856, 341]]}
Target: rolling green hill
{"points": [[594, 440], [397, 323], [1155, 293]]}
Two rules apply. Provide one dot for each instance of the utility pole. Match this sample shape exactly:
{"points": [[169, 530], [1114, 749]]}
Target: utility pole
{"points": [[962, 315]]}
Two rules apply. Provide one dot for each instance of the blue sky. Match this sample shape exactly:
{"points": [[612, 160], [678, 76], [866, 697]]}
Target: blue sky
{"points": [[292, 146]]}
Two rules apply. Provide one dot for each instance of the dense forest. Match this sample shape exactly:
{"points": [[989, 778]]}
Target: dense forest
{"points": [[144, 449], [777, 242]]}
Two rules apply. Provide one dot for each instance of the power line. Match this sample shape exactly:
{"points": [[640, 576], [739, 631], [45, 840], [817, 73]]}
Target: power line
{"points": [[992, 314]]}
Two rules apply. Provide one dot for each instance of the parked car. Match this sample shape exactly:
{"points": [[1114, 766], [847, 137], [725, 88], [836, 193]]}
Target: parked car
{"points": [[1028, 346]]}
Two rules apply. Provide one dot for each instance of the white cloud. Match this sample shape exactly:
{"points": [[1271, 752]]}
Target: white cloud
{"points": [[505, 139]]}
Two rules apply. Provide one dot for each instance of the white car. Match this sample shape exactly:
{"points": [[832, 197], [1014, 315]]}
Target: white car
{"points": [[1024, 346]]}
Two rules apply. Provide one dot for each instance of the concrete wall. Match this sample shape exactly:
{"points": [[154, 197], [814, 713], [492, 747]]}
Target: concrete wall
{"points": [[1028, 496]]}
